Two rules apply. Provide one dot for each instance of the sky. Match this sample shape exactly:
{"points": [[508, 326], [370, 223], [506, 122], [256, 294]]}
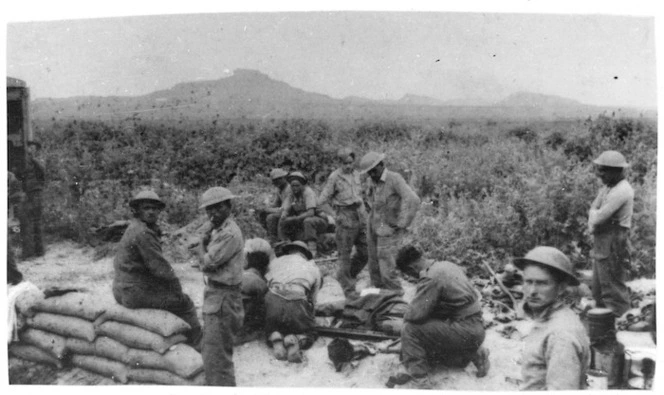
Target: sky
{"points": [[473, 53]]}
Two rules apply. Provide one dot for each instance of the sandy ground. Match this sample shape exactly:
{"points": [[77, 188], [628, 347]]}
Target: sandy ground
{"points": [[67, 265]]}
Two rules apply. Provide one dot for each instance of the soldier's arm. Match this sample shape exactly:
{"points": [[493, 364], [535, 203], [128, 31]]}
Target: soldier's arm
{"points": [[149, 248], [410, 202]]}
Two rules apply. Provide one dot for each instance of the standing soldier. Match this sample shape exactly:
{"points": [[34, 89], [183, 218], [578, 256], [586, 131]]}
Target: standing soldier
{"points": [[299, 214], [143, 277], [14, 198], [33, 179], [609, 220], [393, 206], [282, 190], [344, 189], [221, 257]]}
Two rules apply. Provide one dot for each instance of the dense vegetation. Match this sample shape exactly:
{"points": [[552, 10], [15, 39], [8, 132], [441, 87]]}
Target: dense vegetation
{"points": [[491, 190]]}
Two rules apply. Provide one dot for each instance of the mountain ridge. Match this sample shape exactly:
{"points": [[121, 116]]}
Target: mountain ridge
{"points": [[250, 94]]}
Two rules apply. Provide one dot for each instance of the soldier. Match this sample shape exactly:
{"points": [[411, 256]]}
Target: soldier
{"points": [[443, 323], [143, 277], [393, 207], [556, 354], [344, 190], [34, 180], [300, 218], [15, 196], [273, 212], [221, 257], [609, 221], [293, 282]]}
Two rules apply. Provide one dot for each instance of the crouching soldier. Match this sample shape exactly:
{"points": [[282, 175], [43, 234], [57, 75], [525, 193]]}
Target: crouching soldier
{"points": [[293, 282], [444, 321], [143, 277]]}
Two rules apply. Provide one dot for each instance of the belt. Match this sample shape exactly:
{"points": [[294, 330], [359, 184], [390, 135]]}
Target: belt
{"points": [[216, 284]]}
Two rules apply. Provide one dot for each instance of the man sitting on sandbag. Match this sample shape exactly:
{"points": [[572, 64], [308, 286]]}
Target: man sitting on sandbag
{"points": [[259, 253], [293, 282], [143, 276]]}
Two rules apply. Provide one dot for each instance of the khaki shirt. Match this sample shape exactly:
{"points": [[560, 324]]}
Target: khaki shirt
{"points": [[393, 203], [296, 205], [295, 269], [556, 353], [612, 206], [224, 254], [342, 189]]}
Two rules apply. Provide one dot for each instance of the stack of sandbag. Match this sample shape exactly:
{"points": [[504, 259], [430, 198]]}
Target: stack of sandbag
{"points": [[142, 345]]}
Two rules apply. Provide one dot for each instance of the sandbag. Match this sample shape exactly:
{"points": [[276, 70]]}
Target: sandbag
{"points": [[64, 325], [162, 322], [133, 336], [164, 377], [111, 349], [34, 354], [77, 304], [52, 343], [80, 346], [106, 367], [26, 296], [182, 360]]}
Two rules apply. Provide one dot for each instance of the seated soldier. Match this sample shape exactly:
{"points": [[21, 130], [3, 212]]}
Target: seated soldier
{"points": [[293, 282], [143, 276], [444, 321], [299, 214], [271, 214]]}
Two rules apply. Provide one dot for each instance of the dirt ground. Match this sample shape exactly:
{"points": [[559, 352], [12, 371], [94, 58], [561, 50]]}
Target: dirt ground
{"points": [[66, 265]]}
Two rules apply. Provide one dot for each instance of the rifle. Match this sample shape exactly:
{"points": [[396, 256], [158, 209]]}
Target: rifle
{"points": [[351, 333]]}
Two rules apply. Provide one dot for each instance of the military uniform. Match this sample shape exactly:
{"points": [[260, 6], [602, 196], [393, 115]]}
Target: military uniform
{"points": [[444, 321], [610, 219], [32, 209], [223, 312], [556, 353], [145, 279], [306, 229], [393, 207], [293, 283], [345, 193]]}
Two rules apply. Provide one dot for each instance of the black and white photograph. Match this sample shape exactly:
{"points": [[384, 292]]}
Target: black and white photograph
{"points": [[340, 196]]}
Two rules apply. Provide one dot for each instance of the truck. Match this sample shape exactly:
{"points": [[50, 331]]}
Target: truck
{"points": [[19, 133]]}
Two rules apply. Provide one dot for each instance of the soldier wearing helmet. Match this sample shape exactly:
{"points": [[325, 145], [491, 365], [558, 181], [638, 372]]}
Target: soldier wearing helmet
{"points": [[300, 218], [221, 257], [609, 221], [393, 205], [293, 282], [272, 212], [556, 355], [143, 277], [344, 191]]}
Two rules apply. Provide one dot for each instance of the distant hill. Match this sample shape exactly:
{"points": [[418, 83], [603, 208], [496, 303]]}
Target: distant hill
{"points": [[250, 94]]}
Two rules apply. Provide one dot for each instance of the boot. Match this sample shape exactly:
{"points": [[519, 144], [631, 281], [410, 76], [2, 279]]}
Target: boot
{"points": [[481, 361], [313, 247], [277, 342], [293, 348]]}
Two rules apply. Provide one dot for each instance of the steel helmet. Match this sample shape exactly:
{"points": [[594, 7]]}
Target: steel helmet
{"points": [[298, 175], [611, 159], [278, 173], [146, 196], [370, 160], [300, 246], [549, 257], [215, 195]]}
